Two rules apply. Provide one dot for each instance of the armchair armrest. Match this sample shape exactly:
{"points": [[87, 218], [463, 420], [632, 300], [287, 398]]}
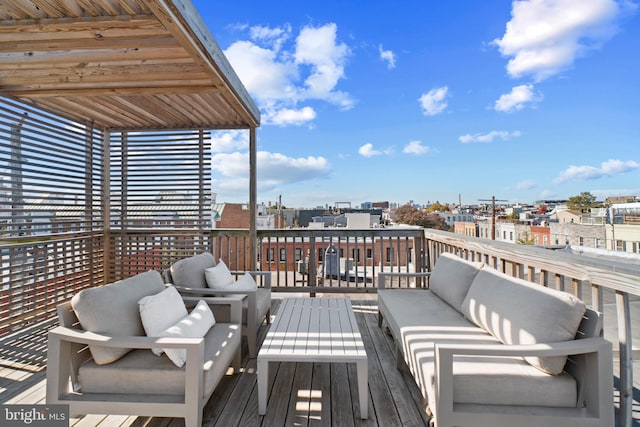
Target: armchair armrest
{"points": [[60, 355], [382, 276], [234, 301], [63, 333]]}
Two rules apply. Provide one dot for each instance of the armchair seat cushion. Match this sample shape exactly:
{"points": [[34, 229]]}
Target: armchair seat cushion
{"points": [[142, 372]]}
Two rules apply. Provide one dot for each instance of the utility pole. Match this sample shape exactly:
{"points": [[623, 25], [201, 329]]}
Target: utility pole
{"points": [[493, 201]]}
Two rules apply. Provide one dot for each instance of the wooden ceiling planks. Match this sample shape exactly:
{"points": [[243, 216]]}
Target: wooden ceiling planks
{"points": [[120, 64]]}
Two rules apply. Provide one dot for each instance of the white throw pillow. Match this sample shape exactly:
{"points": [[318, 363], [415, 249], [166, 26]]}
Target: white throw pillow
{"points": [[194, 325], [218, 277], [160, 311]]}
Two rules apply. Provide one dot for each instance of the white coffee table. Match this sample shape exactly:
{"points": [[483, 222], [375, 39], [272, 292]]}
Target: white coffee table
{"points": [[313, 330]]}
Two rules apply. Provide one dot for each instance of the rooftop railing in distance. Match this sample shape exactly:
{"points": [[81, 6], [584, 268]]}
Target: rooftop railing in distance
{"points": [[323, 260]]}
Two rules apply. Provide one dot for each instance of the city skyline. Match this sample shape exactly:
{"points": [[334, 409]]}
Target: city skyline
{"points": [[426, 101]]}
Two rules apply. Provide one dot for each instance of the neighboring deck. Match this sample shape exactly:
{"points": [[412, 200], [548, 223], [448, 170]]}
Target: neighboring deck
{"points": [[302, 393]]}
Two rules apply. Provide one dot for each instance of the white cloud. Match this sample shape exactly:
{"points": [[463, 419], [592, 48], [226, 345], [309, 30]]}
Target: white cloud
{"points": [[275, 37], [517, 99], [388, 56], [318, 47], [226, 141], [415, 147], [273, 168], [287, 116], [544, 37], [282, 72], [434, 102], [609, 168], [367, 150], [489, 137], [265, 75]]}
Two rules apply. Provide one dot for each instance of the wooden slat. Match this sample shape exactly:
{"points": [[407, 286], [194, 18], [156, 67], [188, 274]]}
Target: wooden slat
{"points": [[62, 49]]}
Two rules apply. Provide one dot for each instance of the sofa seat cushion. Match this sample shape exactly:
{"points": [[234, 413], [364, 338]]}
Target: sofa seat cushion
{"points": [[451, 278], [113, 310], [190, 272], [519, 312], [415, 308], [420, 319], [141, 372], [263, 305]]}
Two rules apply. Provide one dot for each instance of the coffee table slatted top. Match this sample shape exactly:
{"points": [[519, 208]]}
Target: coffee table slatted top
{"points": [[314, 329]]}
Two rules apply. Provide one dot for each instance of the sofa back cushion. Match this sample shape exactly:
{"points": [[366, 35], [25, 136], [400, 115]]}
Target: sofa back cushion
{"points": [[519, 312], [451, 278], [189, 272], [113, 310]]}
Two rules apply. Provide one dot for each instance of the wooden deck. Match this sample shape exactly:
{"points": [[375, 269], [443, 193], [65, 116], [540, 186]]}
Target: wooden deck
{"points": [[302, 394]]}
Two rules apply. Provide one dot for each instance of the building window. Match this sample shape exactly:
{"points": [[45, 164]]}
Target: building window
{"points": [[581, 241], [356, 254], [298, 254], [283, 254], [270, 255], [369, 253], [535, 239], [545, 240], [389, 254], [621, 245], [598, 243]]}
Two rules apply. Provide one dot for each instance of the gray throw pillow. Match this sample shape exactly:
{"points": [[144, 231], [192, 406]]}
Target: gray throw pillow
{"points": [[189, 272], [113, 310]]}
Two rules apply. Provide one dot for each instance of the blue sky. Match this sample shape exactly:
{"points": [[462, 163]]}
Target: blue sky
{"points": [[426, 100]]}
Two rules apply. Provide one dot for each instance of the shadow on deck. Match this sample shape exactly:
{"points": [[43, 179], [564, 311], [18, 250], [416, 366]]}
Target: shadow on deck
{"points": [[302, 394]]}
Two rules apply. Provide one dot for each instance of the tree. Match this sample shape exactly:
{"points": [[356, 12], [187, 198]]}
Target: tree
{"points": [[412, 216], [582, 201], [437, 206]]}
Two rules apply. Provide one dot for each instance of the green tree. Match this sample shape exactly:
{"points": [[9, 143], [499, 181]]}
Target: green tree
{"points": [[582, 201]]}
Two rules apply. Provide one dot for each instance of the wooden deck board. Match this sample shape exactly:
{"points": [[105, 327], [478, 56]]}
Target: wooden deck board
{"points": [[302, 394]]}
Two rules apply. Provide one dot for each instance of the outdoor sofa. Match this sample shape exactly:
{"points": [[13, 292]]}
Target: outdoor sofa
{"points": [[118, 374], [190, 277], [487, 349]]}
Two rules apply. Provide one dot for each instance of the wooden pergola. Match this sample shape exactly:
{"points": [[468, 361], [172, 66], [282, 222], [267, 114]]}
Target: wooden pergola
{"points": [[130, 65]]}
